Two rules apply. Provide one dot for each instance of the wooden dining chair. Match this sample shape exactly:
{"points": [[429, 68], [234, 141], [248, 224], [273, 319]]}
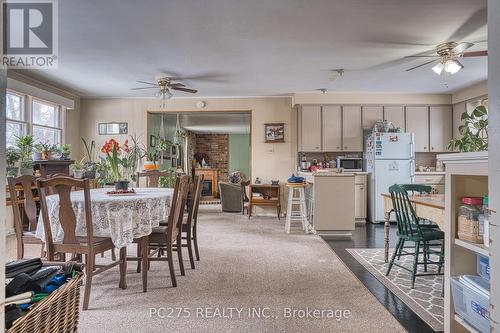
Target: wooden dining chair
{"points": [[152, 177], [188, 236], [194, 228], [190, 224], [24, 204], [165, 237], [88, 245]]}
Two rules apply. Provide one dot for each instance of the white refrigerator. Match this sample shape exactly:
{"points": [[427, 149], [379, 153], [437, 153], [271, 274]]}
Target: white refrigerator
{"points": [[389, 160]]}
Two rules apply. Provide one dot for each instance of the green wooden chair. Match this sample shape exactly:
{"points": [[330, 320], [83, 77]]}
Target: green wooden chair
{"points": [[410, 229]]}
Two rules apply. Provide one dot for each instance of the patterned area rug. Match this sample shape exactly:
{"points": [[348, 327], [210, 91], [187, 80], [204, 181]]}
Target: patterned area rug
{"points": [[425, 299]]}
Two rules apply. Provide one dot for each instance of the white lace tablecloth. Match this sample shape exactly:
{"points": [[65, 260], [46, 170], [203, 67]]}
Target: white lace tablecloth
{"points": [[122, 218]]}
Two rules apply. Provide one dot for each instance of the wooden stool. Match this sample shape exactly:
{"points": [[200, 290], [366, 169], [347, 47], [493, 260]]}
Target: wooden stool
{"points": [[296, 209]]}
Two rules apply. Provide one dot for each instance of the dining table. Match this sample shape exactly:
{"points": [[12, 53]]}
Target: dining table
{"points": [[427, 206], [125, 217]]}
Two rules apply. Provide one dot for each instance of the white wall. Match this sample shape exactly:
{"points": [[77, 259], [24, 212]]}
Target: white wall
{"points": [[268, 161], [471, 92], [494, 153]]}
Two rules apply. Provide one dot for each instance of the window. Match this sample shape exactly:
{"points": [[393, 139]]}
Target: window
{"points": [[42, 119], [45, 119], [16, 126]]}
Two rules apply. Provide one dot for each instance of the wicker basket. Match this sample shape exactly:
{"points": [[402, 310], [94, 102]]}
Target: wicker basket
{"points": [[468, 230], [57, 313]]}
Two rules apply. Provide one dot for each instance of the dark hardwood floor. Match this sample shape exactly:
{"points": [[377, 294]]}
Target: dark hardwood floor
{"points": [[372, 236]]}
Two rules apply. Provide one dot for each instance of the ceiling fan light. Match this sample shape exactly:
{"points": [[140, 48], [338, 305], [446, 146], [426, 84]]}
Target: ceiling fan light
{"points": [[453, 66], [438, 68]]}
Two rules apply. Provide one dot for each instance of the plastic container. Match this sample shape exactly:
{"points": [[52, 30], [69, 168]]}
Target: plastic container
{"points": [[483, 267], [471, 300], [486, 222], [471, 220]]}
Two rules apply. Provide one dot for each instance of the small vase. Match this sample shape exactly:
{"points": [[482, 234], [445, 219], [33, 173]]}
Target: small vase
{"points": [[150, 165], [37, 156], [121, 185], [27, 171], [45, 155], [12, 171], [78, 174]]}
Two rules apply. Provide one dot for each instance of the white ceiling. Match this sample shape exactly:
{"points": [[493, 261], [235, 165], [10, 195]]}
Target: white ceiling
{"points": [[211, 122], [262, 47]]}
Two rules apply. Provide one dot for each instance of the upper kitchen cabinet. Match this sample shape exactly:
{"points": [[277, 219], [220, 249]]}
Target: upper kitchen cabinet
{"points": [[440, 128], [396, 115], [458, 109], [332, 128], [352, 129], [417, 121], [370, 115], [310, 128]]}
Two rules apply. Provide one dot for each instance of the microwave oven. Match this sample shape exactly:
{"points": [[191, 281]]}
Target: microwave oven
{"points": [[350, 163]]}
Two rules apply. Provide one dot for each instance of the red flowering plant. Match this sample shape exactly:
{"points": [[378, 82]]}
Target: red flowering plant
{"points": [[119, 165]]}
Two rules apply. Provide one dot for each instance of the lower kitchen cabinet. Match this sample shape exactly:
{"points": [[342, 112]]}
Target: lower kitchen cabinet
{"points": [[360, 198]]}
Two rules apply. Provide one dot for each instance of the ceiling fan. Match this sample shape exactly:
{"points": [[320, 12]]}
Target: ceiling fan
{"points": [[164, 84], [447, 55]]}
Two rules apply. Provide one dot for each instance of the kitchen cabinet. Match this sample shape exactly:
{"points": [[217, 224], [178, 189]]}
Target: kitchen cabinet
{"points": [[440, 128], [332, 128], [396, 115], [360, 199], [417, 121], [458, 109], [352, 131], [370, 115], [310, 119]]}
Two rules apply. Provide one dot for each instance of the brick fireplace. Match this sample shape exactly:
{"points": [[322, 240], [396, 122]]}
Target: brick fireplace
{"points": [[216, 148]]}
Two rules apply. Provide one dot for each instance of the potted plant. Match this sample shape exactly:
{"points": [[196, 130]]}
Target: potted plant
{"points": [[167, 181], [90, 164], [113, 150], [77, 168], [474, 131], [12, 156], [151, 158], [44, 148], [65, 151], [37, 151], [54, 152], [25, 146]]}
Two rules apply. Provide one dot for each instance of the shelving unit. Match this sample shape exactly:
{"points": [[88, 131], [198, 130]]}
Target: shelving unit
{"points": [[466, 175], [477, 248]]}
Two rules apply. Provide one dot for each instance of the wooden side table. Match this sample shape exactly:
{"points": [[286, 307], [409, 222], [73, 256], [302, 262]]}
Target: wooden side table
{"points": [[269, 196]]}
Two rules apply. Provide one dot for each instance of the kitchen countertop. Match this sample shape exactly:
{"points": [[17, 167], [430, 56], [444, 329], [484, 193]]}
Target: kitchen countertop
{"points": [[330, 174], [430, 173]]}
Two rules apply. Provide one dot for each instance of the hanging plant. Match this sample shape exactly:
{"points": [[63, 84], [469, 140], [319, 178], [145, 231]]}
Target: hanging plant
{"points": [[474, 131]]}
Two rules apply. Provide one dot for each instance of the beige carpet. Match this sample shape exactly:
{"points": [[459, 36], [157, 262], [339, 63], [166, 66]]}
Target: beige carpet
{"points": [[247, 265]]}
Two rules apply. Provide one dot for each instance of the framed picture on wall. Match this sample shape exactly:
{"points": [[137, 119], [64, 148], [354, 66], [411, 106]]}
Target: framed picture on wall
{"points": [[275, 132], [113, 128]]}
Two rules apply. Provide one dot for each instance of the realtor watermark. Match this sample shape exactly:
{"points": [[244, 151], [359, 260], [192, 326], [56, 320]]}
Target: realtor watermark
{"points": [[30, 39], [249, 313]]}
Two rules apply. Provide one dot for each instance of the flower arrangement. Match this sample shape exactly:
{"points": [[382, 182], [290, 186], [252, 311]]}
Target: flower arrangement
{"points": [[113, 151]]}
